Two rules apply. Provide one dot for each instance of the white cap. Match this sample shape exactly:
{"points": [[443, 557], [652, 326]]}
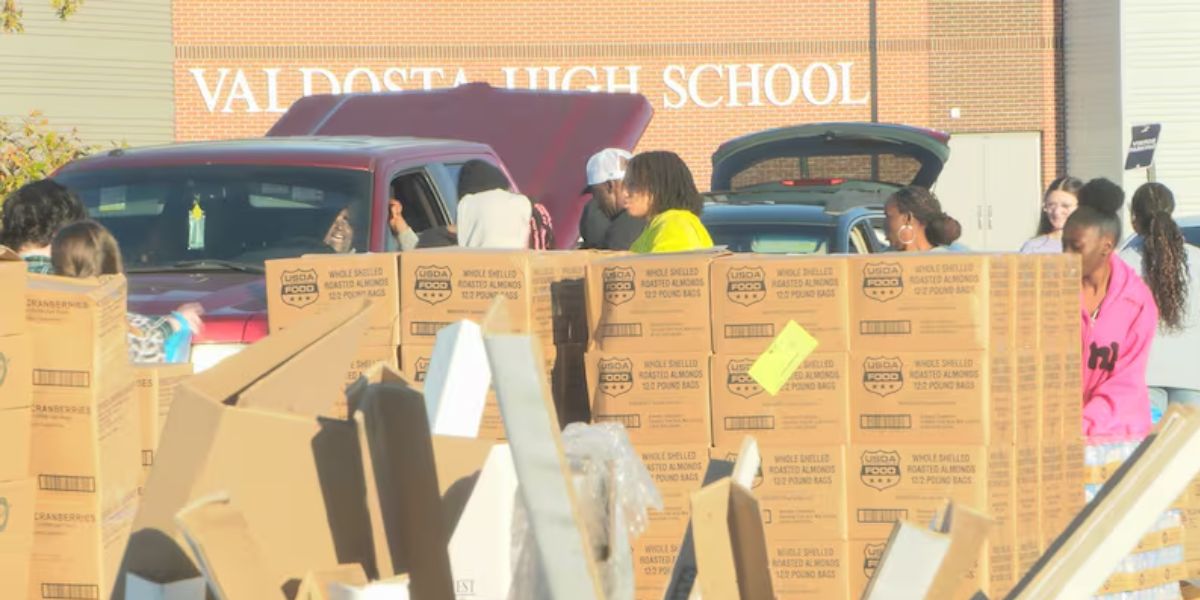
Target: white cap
{"points": [[607, 165]]}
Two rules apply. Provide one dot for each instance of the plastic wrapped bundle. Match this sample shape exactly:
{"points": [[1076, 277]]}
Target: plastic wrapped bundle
{"points": [[615, 493], [1152, 571]]}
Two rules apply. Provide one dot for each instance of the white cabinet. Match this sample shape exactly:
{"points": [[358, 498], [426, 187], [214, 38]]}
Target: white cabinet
{"points": [[992, 185]]}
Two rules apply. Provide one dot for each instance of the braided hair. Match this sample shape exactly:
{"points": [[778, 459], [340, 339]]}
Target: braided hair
{"points": [[940, 228], [1164, 257]]}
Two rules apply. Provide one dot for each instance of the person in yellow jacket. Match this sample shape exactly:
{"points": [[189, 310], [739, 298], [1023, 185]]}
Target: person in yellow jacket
{"points": [[660, 188]]}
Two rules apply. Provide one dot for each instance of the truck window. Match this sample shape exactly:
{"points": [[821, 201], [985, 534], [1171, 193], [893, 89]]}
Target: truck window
{"points": [[417, 199]]}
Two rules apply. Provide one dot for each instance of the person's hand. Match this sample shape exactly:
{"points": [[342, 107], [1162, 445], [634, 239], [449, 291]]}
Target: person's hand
{"points": [[396, 217], [190, 313]]}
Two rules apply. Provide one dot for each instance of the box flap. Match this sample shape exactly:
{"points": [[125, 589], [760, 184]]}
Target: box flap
{"points": [[457, 382], [16, 536], [300, 369], [968, 531], [397, 455], [395, 588], [546, 489], [731, 548], [481, 547], [230, 558], [909, 563], [316, 584], [297, 480], [459, 465], [683, 573]]}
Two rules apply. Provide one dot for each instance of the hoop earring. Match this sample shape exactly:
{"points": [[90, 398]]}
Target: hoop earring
{"points": [[912, 235]]}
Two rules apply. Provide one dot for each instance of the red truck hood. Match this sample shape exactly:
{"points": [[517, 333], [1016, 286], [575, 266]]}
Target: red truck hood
{"points": [[544, 138], [235, 304]]}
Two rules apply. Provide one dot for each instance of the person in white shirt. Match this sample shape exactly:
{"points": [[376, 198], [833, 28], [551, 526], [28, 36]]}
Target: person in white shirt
{"points": [[1058, 203]]}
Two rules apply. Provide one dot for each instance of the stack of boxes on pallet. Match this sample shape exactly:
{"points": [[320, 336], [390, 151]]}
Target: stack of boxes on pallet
{"points": [[936, 376], [417, 294]]}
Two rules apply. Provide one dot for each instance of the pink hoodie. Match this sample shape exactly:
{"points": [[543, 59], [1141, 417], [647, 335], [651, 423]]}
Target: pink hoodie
{"points": [[1116, 348]]}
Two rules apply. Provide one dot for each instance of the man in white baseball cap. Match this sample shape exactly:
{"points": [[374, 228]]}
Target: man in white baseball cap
{"points": [[605, 224]]}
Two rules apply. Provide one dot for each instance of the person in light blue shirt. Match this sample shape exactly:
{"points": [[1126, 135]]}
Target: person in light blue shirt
{"points": [[1061, 199], [1169, 267]]}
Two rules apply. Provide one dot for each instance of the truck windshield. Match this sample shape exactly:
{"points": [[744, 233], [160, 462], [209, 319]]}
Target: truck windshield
{"points": [[231, 215]]}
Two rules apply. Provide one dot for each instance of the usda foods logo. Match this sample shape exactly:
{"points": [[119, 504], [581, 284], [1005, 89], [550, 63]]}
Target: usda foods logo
{"points": [[871, 555], [880, 469], [433, 284], [739, 381], [883, 281], [298, 288], [883, 376], [619, 287], [616, 376], [747, 286], [421, 367]]}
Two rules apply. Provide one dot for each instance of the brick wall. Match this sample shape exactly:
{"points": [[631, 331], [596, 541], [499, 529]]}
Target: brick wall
{"points": [[996, 61]]}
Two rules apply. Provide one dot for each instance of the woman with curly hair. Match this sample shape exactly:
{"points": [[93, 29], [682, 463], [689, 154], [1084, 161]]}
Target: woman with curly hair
{"points": [[1167, 264]]}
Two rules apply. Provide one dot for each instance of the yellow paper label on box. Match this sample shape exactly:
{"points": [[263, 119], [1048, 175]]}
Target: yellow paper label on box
{"points": [[785, 354]]}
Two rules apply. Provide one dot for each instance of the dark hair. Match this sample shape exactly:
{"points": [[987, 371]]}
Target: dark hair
{"points": [[480, 176], [1164, 256], [85, 249], [940, 228], [1067, 184], [667, 179], [1087, 217], [34, 212], [1104, 197]]}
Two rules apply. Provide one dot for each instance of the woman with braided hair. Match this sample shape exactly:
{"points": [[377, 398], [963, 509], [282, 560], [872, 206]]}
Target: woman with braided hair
{"points": [[1168, 266], [915, 222]]}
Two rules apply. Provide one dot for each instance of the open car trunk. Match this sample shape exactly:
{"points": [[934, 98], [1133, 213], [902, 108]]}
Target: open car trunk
{"points": [[544, 138], [828, 153]]}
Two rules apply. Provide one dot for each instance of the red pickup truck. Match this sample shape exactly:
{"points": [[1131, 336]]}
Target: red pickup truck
{"points": [[195, 221]]}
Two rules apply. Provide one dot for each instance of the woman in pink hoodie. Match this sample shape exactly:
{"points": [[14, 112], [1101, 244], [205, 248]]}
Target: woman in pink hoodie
{"points": [[1119, 320]]}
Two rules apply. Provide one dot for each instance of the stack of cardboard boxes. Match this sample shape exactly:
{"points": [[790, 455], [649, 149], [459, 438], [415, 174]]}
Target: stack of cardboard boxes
{"points": [[933, 376], [70, 430], [417, 294]]}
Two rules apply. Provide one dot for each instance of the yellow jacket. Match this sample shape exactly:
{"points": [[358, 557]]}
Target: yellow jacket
{"points": [[673, 231]]}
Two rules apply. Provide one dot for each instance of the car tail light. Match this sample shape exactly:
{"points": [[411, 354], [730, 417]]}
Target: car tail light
{"points": [[818, 181]]}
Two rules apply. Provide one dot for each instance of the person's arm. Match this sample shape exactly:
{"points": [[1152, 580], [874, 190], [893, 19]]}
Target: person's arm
{"points": [[1113, 407], [408, 239]]}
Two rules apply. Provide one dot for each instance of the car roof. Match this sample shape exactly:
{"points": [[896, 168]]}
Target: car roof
{"points": [[349, 152], [808, 214], [1188, 221]]}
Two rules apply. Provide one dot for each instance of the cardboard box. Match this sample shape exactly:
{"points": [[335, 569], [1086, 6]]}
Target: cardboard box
{"points": [[731, 548], [911, 482], [298, 288], [414, 364], [250, 427], [1027, 395], [800, 489], [923, 302], [79, 336], [1050, 484], [1028, 507], [16, 371], [650, 303], [754, 296], [864, 557], [813, 405], [17, 508], [653, 561], [804, 569], [560, 280], [13, 274], [169, 378], [678, 470], [145, 388], [1073, 499], [921, 396], [16, 434], [78, 544], [1027, 304], [1002, 384], [367, 357], [660, 398], [443, 285]]}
